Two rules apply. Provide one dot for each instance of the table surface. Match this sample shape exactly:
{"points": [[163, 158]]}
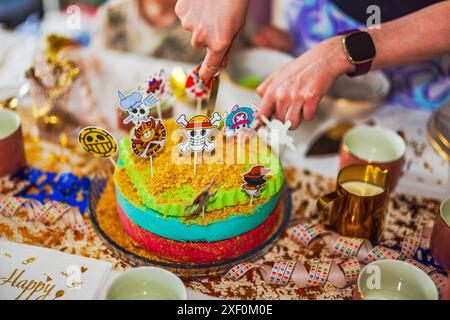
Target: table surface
{"points": [[16, 52]]}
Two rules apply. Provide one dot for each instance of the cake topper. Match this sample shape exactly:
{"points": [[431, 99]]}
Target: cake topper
{"points": [[255, 181], [276, 133], [239, 120], [197, 130], [201, 202], [98, 142], [157, 85], [138, 108], [148, 138], [197, 88]]}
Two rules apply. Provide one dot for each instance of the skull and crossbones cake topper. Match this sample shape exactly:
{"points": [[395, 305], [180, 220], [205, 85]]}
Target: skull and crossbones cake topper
{"points": [[198, 129], [138, 108], [255, 181], [149, 134], [196, 88], [148, 138], [98, 142]]}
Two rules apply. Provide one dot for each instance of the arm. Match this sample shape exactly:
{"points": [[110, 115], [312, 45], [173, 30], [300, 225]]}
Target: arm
{"points": [[294, 91], [419, 36], [214, 24]]}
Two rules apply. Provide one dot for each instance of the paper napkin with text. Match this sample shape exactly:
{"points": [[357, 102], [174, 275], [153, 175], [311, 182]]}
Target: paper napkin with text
{"points": [[35, 273]]}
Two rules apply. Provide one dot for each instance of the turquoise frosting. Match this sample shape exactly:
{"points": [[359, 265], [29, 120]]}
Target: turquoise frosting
{"points": [[172, 228]]}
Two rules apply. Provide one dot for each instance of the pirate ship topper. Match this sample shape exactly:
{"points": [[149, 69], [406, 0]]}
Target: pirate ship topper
{"points": [[201, 202], [239, 120], [196, 88], [137, 106], [255, 181], [197, 130]]}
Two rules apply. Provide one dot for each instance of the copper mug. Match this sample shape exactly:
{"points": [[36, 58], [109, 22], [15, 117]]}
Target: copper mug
{"points": [[12, 154], [375, 145], [357, 206], [440, 236]]}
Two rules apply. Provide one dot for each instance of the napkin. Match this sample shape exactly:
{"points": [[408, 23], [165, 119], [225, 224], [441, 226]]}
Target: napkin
{"points": [[35, 273]]}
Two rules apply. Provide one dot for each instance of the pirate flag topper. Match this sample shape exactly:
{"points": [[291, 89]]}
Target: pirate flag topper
{"points": [[149, 137], [197, 130], [138, 108], [255, 181], [195, 86], [239, 120], [98, 142], [158, 85]]}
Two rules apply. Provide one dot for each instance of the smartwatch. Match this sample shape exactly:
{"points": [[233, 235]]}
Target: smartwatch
{"points": [[359, 50]]}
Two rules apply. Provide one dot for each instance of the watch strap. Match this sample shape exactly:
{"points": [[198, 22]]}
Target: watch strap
{"points": [[360, 68]]}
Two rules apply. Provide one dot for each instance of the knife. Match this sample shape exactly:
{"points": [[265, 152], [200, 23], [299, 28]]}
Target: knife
{"points": [[211, 105], [329, 142]]}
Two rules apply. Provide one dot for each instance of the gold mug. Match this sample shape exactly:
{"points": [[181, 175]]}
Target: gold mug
{"points": [[359, 202]]}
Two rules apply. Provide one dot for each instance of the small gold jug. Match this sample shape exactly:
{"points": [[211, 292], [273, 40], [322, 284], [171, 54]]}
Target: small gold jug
{"points": [[359, 202]]}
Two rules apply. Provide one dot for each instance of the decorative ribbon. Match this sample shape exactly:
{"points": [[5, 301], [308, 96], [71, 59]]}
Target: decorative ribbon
{"points": [[47, 213], [339, 273], [359, 248]]}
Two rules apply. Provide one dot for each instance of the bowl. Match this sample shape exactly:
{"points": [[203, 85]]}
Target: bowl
{"points": [[395, 280], [147, 283], [355, 98]]}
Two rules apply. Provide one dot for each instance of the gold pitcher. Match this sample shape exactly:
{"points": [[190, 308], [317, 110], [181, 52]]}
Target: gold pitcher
{"points": [[358, 205]]}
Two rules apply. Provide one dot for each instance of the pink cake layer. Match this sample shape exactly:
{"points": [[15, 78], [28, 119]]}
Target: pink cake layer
{"points": [[201, 252]]}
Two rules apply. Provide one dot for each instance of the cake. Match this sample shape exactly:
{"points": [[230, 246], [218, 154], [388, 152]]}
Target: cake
{"points": [[155, 205]]}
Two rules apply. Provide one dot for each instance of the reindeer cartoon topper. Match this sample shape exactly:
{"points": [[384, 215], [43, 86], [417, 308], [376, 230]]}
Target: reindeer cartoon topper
{"points": [[197, 130], [138, 107], [239, 120]]}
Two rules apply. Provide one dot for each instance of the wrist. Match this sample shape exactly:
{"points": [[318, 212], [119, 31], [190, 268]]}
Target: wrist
{"points": [[337, 57]]}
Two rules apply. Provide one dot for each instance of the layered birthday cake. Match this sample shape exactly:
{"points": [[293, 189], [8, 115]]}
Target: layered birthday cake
{"points": [[197, 208]]}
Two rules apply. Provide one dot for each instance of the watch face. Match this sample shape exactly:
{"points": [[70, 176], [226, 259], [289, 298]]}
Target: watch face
{"points": [[360, 47]]}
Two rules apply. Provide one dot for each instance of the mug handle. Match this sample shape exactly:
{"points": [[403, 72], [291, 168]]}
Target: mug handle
{"points": [[325, 200]]}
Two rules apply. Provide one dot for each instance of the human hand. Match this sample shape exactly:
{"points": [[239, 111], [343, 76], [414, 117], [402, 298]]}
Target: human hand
{"points": [[214, 25], [294, 91]]}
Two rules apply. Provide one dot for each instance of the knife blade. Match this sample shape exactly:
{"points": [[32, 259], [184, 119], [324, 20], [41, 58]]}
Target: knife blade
{"points": [[211, 105], [329, 141]]}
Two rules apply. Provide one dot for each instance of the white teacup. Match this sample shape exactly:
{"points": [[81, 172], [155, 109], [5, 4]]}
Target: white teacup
{"points": [[395, 280], [147, 283]]}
